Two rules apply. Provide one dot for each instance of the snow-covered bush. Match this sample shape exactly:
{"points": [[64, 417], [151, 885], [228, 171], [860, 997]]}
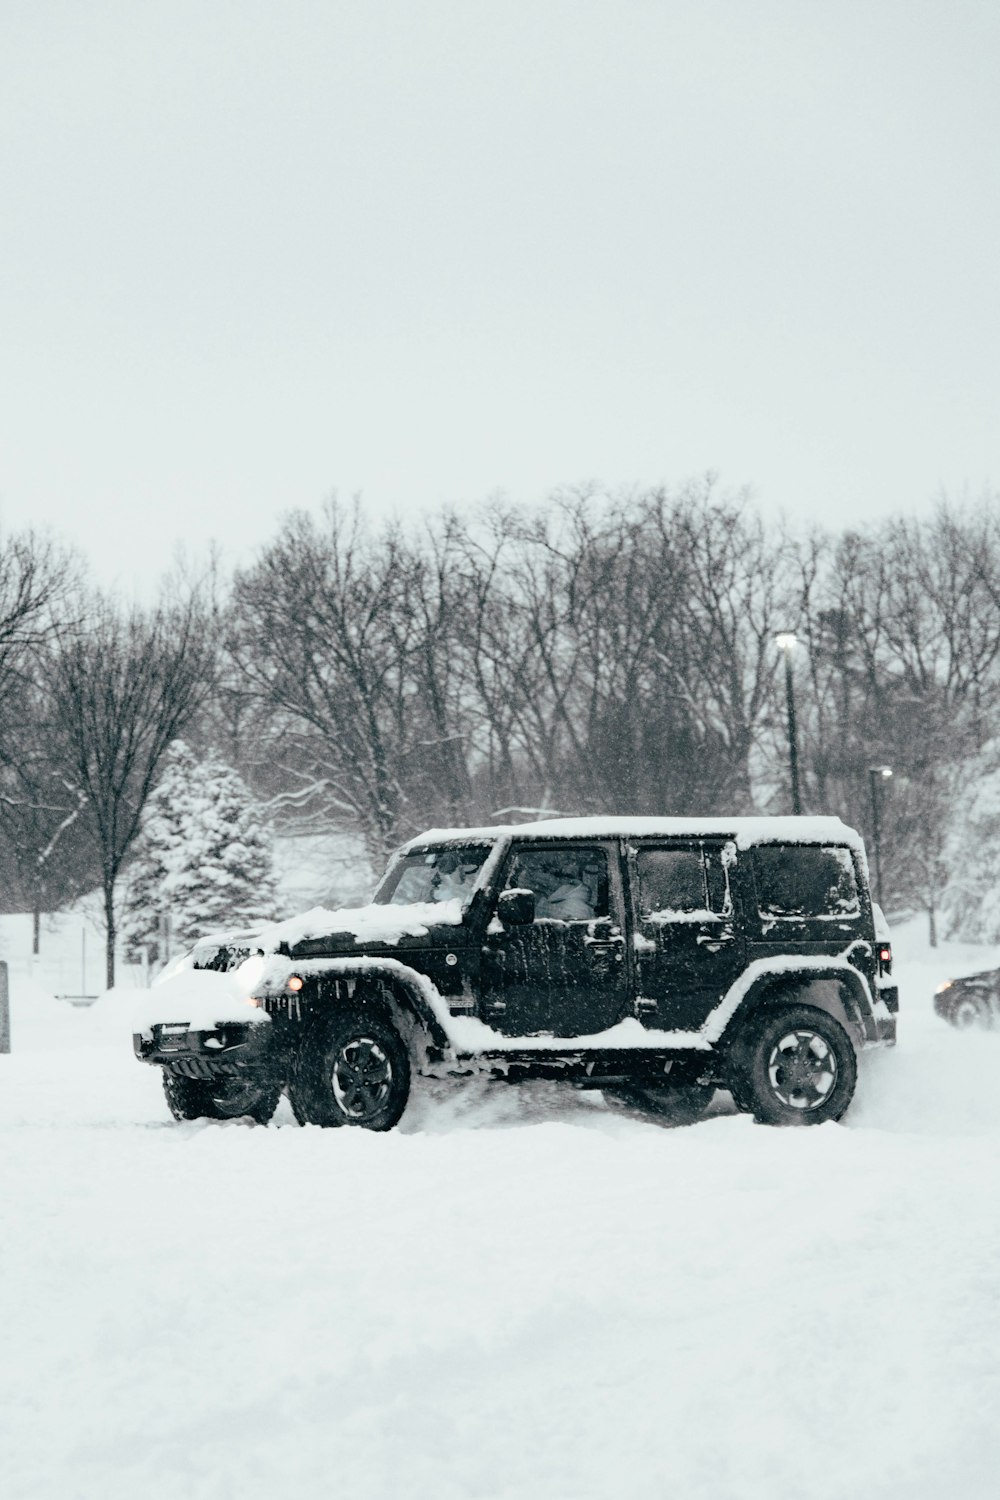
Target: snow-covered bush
{"points": [[971, 898], [203, 858]]}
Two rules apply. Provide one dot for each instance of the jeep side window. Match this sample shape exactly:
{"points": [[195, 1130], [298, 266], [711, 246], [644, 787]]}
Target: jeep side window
{"points": [[671, 880], [805, 880], [570, 885], [674, 882]]}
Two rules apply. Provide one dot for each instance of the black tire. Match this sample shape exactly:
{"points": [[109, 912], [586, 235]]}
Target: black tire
{"points": [[971, 1010], [241, 1097], [682, 1104], [186, 1097], [795, 1066], [351, 1068], [220, 1098]]}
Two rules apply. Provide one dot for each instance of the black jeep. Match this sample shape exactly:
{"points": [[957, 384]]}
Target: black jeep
{"points": [[654, 959]]}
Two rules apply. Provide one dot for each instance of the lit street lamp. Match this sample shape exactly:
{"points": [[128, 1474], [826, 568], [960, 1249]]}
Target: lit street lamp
{"points": [[875, 775], [786, 643]]}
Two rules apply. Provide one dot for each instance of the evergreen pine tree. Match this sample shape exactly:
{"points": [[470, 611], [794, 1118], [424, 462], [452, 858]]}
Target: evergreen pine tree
{"points": [[155, 854], [204, 856]]}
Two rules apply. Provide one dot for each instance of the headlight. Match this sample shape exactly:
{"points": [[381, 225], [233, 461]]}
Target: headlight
{"points": [[946, 986]]}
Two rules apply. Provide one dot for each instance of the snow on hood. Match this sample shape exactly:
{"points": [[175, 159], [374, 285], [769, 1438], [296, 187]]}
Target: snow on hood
{"points": [[203, 998], [365, 924]]}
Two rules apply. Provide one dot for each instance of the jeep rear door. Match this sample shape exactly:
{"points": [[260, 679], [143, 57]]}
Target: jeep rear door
{"points": [[563, 974], [689, 948]]}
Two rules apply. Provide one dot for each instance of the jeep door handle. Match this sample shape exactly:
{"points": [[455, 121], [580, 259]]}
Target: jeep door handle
{"points": [[713, 944], [609, 949]]}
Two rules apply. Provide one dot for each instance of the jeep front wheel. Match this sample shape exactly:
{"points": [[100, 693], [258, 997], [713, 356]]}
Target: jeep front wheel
{"points": [[794, 1067], [220, 1098], [351, 1068]]}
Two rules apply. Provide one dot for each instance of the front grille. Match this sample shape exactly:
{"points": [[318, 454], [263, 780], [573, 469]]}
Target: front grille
{"points": [[198, 1067]]}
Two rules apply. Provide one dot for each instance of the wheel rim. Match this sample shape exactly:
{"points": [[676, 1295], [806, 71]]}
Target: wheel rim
{"points": [[361, 1078], [967, 1013], [802, 1069]]}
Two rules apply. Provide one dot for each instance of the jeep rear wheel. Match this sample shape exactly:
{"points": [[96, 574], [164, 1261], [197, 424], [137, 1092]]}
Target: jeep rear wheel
{"points": [[682, 1104], [351, 1068], [220, 1098], [794, 1067]]}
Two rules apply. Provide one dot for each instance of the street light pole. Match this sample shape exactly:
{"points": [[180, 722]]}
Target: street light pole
{"points": [[786, 642], [875, 775]]}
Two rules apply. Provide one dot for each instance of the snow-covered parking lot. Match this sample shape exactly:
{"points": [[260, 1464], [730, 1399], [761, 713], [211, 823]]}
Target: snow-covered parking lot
{"points": [[518, 1293]]}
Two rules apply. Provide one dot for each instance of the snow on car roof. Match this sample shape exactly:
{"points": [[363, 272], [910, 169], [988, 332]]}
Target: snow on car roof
{"points": [[743, 830]]}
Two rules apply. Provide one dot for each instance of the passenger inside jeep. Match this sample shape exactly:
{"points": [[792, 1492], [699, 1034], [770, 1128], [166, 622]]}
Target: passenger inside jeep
{"points": [[569, 885]]}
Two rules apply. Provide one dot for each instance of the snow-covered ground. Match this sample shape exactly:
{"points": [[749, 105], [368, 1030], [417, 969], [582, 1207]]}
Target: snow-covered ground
{"points": [[519, 1293]]}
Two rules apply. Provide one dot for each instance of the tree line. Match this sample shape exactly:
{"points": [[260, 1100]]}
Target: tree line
{"points": [[604, 653]]}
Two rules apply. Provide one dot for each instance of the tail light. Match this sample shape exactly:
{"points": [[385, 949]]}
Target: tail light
{"points": [[883, 952]]}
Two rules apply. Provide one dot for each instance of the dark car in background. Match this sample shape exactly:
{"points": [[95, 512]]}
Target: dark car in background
{"points": [[973, 1000]]}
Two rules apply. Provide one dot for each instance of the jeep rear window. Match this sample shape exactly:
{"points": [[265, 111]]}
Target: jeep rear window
{"points": [[805, 880]]}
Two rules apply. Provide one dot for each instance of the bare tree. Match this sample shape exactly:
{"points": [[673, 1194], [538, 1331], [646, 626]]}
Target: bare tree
{"points": [[321, 637], [610, 653], [732, 589], [36, 806], [902, 626], [124, 683], [34, 576], [620, 651], [44, 865]]}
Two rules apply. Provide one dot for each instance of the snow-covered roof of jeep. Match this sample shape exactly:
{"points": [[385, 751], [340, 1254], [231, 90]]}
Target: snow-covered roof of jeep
{"points": [[744, 832]]}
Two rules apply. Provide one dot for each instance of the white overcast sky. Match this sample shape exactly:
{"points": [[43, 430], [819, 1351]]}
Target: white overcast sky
{"points": [[253, 251]]}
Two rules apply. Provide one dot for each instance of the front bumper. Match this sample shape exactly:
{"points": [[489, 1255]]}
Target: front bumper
{"points": [[224, 1051]]}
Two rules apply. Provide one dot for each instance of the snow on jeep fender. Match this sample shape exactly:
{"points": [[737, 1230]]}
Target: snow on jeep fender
{"points": [[404, 991], [828, 983]]}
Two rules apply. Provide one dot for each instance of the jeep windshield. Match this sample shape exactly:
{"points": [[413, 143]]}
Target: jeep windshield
{"points": [[433, 875]]}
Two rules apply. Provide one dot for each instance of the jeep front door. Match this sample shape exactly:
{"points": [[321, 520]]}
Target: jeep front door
{"points": [[563, 974], [689, 948]]}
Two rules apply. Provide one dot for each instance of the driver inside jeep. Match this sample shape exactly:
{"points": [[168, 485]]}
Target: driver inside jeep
{"points": [[560, 890], [456, 878]]}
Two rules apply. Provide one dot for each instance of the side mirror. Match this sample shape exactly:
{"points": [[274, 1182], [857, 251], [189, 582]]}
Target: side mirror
{"points": [[516, 908]]}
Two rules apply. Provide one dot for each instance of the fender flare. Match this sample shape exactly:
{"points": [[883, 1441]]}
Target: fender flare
{"points": [[829, 984], [404, 991]]}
